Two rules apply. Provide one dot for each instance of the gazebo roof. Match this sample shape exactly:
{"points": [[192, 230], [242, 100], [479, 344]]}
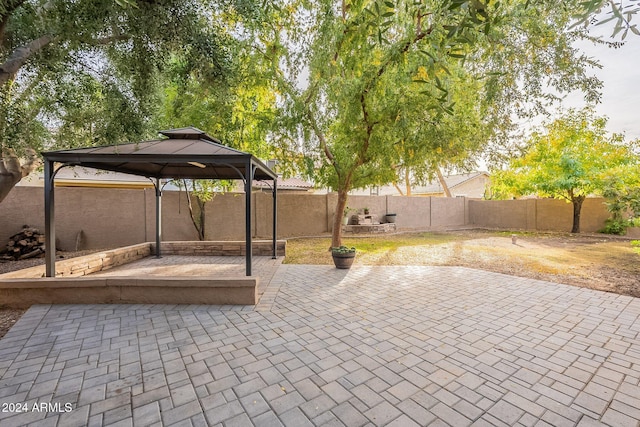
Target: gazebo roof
{"points": [[185, 153]]}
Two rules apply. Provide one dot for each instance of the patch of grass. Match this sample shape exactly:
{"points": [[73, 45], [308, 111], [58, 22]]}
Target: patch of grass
{"points": [[537, 252], [316, 250], [596, 262]]}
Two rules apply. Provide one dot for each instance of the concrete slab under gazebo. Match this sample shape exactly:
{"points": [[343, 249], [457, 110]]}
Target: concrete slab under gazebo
{"points": [[185, 153]]}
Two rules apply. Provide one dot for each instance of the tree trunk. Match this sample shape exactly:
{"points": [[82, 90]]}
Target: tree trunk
{"points": [[577, 207], [11, 171], [443, 183], [201, 230], [395, 184], [336, 235], [407, 181], [7, 182], [198, 222]]}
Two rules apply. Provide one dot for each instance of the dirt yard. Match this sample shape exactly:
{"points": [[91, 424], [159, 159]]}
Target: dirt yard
{"points": [[595, 261], [592, 261]]}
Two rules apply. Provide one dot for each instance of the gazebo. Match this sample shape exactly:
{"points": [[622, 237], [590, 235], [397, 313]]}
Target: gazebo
{"points": [[185, 153]]}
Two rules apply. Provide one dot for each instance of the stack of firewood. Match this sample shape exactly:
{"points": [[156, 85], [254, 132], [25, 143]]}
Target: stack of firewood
{"points": [[28, 243]]}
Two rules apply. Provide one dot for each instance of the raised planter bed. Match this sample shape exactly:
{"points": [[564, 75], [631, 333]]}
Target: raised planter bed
{"points": [[75, 285], [370, 228], [129, 290]]}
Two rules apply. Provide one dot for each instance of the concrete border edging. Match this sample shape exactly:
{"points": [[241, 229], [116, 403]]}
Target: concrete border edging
{"points": [[129, 290]]}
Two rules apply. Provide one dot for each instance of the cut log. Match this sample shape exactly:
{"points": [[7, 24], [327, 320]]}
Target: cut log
{"points": [[28, 243], [31, 254]]}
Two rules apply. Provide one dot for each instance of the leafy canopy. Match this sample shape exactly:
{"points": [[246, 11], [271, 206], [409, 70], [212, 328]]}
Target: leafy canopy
{"points": [[572, 157], [90, 69], [368, 87]]}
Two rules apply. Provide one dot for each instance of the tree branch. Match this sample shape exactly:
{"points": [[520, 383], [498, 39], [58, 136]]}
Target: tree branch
{"points": [[395, 184], [308, 113], [11, 171], [9, 8], [443, 183], [32, 162], [404, 48], [365, 147], [21, 55]]}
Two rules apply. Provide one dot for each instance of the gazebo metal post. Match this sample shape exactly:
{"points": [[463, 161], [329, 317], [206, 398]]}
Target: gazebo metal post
{"points": [[275, 217], [158, 216], [248, 184], [49, 220]]}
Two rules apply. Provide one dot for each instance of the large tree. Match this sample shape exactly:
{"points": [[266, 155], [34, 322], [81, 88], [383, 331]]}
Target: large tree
{"points": [[357, 78], [571, 158], [240, 111], [87, 72]]}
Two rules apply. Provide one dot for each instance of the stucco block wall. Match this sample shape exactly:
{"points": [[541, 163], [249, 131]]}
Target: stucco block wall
{"points": [[377, 205], [510, 214], [176, 222], [225, 218], [412, 212], [298, 214], [107, 217], [122, 217], [447, 212], [537, 214], [23, 206], [114, 219]]}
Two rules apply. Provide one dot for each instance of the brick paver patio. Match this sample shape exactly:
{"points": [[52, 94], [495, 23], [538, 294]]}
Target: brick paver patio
{"points": [[397, 346]]}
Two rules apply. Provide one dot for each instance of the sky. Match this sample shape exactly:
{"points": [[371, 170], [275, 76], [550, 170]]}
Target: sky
{"points": [[620, 74]]}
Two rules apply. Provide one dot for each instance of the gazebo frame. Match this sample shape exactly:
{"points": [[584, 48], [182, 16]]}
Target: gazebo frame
{"points": [[186, 153]]}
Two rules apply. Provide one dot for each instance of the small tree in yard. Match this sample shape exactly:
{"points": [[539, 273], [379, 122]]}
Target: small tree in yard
{"points": [[202, 191], [571, 159], [622, 194]]}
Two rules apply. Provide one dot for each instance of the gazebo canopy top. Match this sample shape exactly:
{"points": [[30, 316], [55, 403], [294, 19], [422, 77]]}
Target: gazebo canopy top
{"points": [[185, 153]]}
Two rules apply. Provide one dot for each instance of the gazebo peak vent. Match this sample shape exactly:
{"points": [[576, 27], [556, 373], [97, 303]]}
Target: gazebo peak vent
{"points": [[188, 133]]}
